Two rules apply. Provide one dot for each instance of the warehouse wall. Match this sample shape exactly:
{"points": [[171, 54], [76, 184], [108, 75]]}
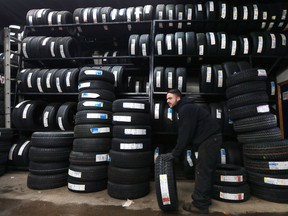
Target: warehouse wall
{"points": [[282, 76]]}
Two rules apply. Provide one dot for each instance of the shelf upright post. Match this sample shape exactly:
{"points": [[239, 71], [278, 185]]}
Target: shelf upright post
{"points": [[7, 74], [151, 65]]}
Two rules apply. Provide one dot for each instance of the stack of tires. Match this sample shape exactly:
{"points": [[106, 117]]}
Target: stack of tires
{"points": [[265, 154], [89, 158], [49, 159], [6, 136], [231, 184], [131, 155]]}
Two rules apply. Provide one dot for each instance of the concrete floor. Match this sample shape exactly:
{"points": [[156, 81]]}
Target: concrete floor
{"points": [[18, 200]]}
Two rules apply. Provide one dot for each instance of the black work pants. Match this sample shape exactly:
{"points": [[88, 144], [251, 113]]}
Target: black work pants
{"points": [[208, 154]]}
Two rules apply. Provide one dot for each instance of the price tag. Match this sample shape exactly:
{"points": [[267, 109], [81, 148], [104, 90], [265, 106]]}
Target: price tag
{"points": [[93, 103], [76, 187], [157, 111], [58, 84], [180, 83], [133, 44], [234, 47], [260, 44], [144, 50], [60, 124], [140, 106], [90, 95], [201, 50], [246, 45], [74, 174], [135, 131], [159, 47], [223, 41], [20, 152], [209, 75], [100, 130], [24, 114], [245, 13], [164, 189], [273, 39], [101, 157], [45, 119], [227, 178], [230, 196], [220, 78], [68, 75], [276, 181], [262, 72], [263, 109], [131, 146], [223, 10], [278, 165], [122, 118], [170, 80], [212, 38], [180, 46], [10, 156], [96, 116], [256, 12]]}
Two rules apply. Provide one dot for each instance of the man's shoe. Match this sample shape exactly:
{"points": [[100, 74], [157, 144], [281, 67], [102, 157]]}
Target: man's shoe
{"points": [[191, 208]]}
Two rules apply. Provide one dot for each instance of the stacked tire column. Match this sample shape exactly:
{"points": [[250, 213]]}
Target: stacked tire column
{"points": [[131, 155], [265, 154], [89, 158]]}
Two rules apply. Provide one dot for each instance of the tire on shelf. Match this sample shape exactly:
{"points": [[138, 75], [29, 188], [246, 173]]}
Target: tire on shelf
{"points": [[49, 116], [66, 115]]}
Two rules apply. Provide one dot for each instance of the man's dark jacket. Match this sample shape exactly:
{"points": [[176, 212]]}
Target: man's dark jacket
{"points": [[195, 125]]}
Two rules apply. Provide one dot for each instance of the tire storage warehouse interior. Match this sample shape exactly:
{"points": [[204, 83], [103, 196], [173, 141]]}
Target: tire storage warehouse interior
{"points": [[85, 127]]}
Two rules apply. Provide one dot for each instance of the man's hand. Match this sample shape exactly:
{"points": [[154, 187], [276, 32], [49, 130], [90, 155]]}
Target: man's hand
{"points": [[167, 157]]}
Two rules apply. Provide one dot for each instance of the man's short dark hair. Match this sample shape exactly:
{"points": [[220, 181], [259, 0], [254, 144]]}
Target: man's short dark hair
{"points": [[175, 91]]}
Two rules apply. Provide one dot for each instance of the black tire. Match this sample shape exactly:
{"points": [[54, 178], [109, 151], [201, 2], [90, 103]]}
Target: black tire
{"points": [[219, 79], [86, 186], [265, 166], [88, 158], [133, 45], [49, 116], [66, 115], [128, 176], [96, 94], [94, 73], [165, 177], [144, 45], [70, 80], [48, 168], [275, 150], [130, 159], [3, 158], [273, 134], [131, 105], [141, 131], [125, 191], [216, 110], [125, 118], [233, 152], [201, 44], [271, 194], [93, 117], [52, 139], [256, 123], [169, 44], [49, 154], [181, 79], [94, 105], [95, 84], [230, 68], [206, 80], [92, 131], [231, 194], [191, 44], [131, 145], [88, 173], [246, 76], [244, 88], [42, 182], [230, 175], [6, 134], [5, 146], [269, 181], [92, 145], [159, 44], [248, 99], [20, 154], [249, 111]]}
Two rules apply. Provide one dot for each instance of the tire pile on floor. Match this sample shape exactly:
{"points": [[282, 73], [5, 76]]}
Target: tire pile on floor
{"points": [[93, 131], [131, 155], [19, 154], [49, 159], [265, 153]]}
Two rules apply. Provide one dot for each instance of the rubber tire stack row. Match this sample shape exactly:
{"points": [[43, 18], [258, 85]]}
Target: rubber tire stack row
{"points": [[19, 154], [6, 136], [49, 159], [231, 184], [265, 154], [93, 131], [131, 155]]}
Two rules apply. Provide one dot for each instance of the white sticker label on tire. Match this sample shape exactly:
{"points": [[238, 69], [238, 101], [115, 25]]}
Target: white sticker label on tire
{"points": [[85, 15], [62, 52], [133, 43], [159, 47], [170, 114], [29, 82], [235, 13], [223, 41], [189, 158], [135, 131], [211, 6], [144, 50], [137, 86], [96, 116], [100, 130], [76, 187], [180, 83], [227, 178], [230, 196], [74, 174], [84, 85], [246, 45], [212, 38], [284, 39], [189, 15], [58, 84], [48, 80], [20, 152], [200, 8], [50, 18], [180, 17], [94, 15], [256, 12], [158, 79], [220, 78], [223, 156], [275, 181], [284, 14], [19, 104], [93, 103], [245, 10], [218, 113], [131, 146], [68, 75], [160, 18], [164, 189], [263, 109], [122, 118], [45, 41], [90, 95], [93, 72], [45, 119], [134, 105], [180, 46], [273, 88], [201, 50], [170, 80], [10, 156], [39, 84], [208, 75], [52, 45], [264, 15], [262, 72], [223, 11], [24, 114], [170, 17], [60, 124], [234, 47], [260, 44], [157, 111], [30, 19], [278, 165], [169, 42], [101, 157], [273, 39]]}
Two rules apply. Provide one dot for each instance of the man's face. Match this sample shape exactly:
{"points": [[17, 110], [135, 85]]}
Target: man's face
{"points": [[172, 99]]}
